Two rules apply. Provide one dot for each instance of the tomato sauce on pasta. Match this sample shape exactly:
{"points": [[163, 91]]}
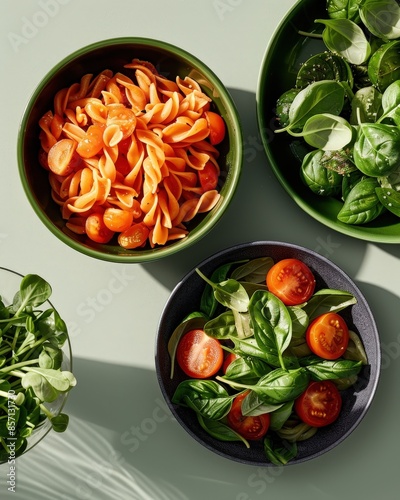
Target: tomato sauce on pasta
{"points": [[124, 155]]}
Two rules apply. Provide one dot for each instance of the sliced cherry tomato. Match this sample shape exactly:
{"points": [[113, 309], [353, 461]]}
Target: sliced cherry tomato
{"points": [[199, 355], [217, 127], [251, 428], [228, 359], [117, 220], [97, 230], [328, 336], [61, 158], [320, 404], [92, 143], [208, 177], [292, 281], [124, 117], [134, 237]]}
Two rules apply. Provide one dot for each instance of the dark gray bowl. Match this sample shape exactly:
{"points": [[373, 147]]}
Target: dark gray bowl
{"points": [[185, 299]]}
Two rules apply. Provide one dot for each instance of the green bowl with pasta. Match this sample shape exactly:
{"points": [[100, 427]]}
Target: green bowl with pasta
{"points": [[130, 150]]}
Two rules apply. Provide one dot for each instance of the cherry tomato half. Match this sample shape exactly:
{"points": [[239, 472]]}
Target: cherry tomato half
{"points": [[328, 336], [251, 428], [320, 404], [199, 355], [217, 127], [228, 359], [208, 177], [97, 230], [292, 281]]}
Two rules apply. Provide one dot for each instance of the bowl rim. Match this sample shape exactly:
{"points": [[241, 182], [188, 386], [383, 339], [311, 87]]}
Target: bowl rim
{"points": [[359, 232], [325, 261], [210, 220]]}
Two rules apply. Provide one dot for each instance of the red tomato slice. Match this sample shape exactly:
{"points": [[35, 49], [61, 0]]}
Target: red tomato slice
{"points": [[61, 158], [208, 177], [134, 237], [92, 143], [199, 355], [292, 281], [251, 428], [117, 220], [229, 357], [97, 230], [320, 404], [217, 127], [328, 336]]}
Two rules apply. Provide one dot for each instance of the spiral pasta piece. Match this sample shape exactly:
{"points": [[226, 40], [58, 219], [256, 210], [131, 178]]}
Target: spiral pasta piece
{"points": [[136, 143]]}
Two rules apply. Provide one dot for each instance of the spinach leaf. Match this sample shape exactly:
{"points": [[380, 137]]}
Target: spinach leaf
{"points": [[271, 322], [246, 369], [219, 430], [206, 397], [222, 326], [324, 96], [230, 293], [33, 292], [208, 302], [346, 38], [321, 179], [279, 452], [366, 106], [381, 17], [390, 199], [324, 66], [328, 300], [300, 321], [343, 9], [384, 65], [253, 406], [280, 416], [377, 149], [362, 203], [330, 370], [253, 271], [327, 132], [277, 386]]}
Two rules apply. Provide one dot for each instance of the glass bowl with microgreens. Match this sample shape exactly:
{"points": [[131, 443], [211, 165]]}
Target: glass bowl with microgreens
{"points": [[268, 354], [35, 364], [328, 107]]}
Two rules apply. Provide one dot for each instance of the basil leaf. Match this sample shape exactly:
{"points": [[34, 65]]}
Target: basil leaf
{"points": [[246, 370], [252, 406], [221, 327], [280, 416]]}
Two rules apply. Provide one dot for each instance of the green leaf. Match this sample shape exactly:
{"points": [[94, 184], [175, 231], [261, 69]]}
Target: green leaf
{"points": [[206, 397], [33, 292], [390, 199], [253, 271], [40, 386], [229, 293], [382, 18], [60, 422], [221, 327], [208, 302], [362, 204], [279, 452], [346, 38], [328, 300], [327, 132], [271, 322], [280, 416], [219, 430], [330, 370]]}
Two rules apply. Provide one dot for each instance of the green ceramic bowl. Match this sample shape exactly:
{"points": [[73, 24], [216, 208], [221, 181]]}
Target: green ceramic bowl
{"points": [[113, 54], [282, 59]]}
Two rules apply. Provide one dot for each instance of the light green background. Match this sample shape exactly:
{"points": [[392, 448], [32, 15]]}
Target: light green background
{"points": [[122, 442]]}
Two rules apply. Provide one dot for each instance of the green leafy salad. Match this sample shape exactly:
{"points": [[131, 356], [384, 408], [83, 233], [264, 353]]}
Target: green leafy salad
{"points": [[265, 358], [345, 104], [31, 366]]}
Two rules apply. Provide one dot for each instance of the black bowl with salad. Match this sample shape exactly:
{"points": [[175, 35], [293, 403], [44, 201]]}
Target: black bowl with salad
{"points": [[268, 354], [328, 107]]}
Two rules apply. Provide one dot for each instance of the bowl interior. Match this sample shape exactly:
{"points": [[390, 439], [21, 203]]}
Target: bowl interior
{"points": [[114, 54], [9, 285], [286, 51], [185, 299]]}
